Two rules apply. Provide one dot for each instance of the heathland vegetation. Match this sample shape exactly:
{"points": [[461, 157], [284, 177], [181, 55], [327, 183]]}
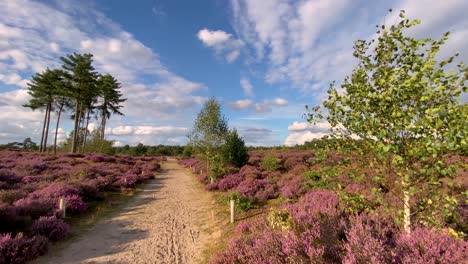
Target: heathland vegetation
{"points": [[387, 185]]}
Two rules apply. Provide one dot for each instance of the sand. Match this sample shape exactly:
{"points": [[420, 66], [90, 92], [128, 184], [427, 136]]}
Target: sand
{"points": [[170, 221]]}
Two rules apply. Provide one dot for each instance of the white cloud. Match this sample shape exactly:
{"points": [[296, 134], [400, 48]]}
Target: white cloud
{"points": [[247, 86], [298, 138], [148, 135], [279, 102], [54, 47], [212, 38], [222, 43], [304, 131], [261, 107], [308, 43], [240, 104], [305, 126]]}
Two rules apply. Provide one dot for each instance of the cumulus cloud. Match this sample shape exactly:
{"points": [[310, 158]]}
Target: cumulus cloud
{"points": [[223, 43], [34, 34], [213, 38], [298, 138], [260, 107], [301, 132], [148, 135]]}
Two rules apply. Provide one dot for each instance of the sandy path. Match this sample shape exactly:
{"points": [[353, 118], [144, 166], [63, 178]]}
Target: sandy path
{"points": [[168, 222]]}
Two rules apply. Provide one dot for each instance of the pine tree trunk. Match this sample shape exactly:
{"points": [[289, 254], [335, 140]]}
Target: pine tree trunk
{"points": [[86, 130], [46, 135], [56, 128], [43, 130], [103, 125], [75, 130]]}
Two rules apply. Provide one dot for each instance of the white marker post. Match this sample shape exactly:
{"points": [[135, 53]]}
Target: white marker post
{"points": [[232, 210], [63, 206]]}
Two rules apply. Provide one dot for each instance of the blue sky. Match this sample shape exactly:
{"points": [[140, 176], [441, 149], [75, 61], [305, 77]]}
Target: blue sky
{"points": [[264, 60]]}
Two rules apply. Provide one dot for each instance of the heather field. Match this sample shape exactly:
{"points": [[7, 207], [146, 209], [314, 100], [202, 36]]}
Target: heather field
{"points": [[32, 183], [327, 207]]}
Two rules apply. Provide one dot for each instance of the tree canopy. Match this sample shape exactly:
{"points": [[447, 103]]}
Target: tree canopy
{"points": [[405, 101]]}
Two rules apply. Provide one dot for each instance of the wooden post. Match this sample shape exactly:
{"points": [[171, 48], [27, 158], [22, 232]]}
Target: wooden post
{"points": [[201, 171], [232, 210], [63, 206]]}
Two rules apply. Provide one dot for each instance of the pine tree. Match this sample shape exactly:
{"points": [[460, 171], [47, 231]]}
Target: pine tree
{"points": [[82, 77], [111, 99], [235, 151]]}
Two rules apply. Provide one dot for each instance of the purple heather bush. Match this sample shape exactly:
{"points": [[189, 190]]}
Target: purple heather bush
{"points": [[9, 177], [315, 205], [228, 182], [35, 207], [51, 227], [127, 181], [55, 190], [258, 189], [430, 246], [370, 238], [75, 204], [95, 157], [19, 249]]}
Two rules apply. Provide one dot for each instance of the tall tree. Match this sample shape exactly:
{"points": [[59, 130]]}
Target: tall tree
{"points": [[83, 82], [209, 131], [406, 104], [42, 89], [61, 98], [111, 99], [235, 151]]}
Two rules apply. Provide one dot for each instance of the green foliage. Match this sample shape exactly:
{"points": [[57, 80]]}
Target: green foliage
{"points": [[210, 129], [216, 166], [269, 163], [187, 151], [108, 88], [242, 203], [235, 151], [354, 204], [280, 219], [405, 102], [319, 179]]}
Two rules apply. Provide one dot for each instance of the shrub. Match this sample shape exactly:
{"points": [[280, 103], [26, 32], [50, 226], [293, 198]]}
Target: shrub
{"points": [[314, 206], [269, 163], [19, 249], [8, 177], [429, 246], [75, 204], [35, 207], [257, 189], [230, 181], [243, 203], [370, 238], [51, 227], [234, 150], [10, 220], [10, 196]]}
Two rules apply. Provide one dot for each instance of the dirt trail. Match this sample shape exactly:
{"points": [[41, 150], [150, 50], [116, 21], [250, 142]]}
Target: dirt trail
{"points": [[168, 222]]}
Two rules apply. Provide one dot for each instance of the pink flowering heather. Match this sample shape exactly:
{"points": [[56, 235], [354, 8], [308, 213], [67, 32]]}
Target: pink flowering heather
{"points": [[370, 238], [315, 205], [424, 245], [19, 249], [51, 227]]}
